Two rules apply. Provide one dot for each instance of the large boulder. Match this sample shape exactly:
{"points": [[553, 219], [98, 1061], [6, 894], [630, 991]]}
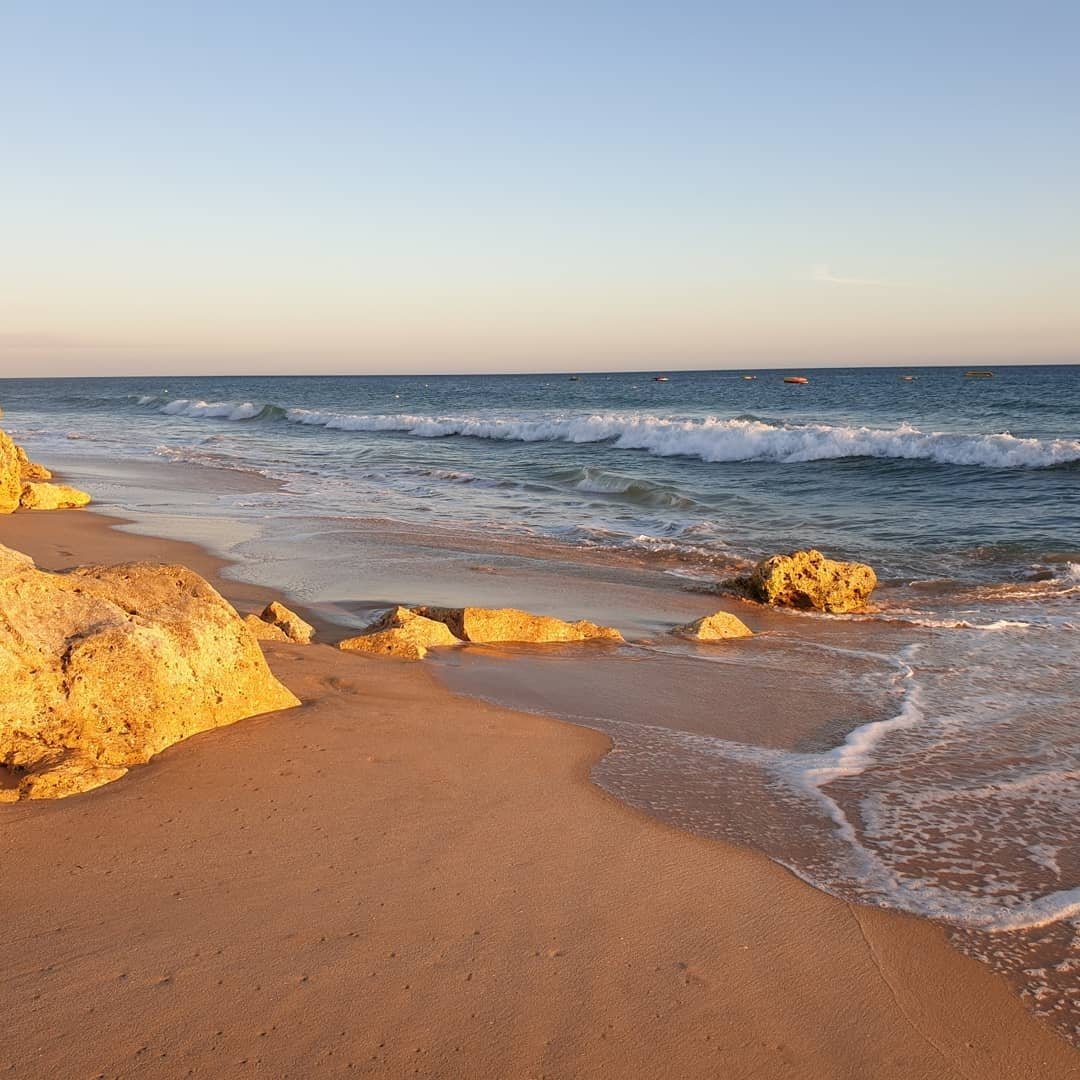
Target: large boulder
{"points": [[10, 479], [101, 667], [806, 579], [510, 624], [403, 634], [45, 496], [720, 626]]}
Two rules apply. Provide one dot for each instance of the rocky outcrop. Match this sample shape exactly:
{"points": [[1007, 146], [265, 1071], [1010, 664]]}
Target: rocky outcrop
{"points": [[511, 625], [289, 625], [10, 479], [717, 627], [44, 496], [103, 667], [404, 634], [408, 633], [24, 483], [806, 579], [31, 471]]}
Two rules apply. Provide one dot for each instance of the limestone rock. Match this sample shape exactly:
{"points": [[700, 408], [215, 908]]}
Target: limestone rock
{"points": [[288, 622], [51, 497], [30, 471], [806, 579], [264, 631], [510, 624], [71, 776], [101, 667], [402, 633], [10, 480], [717, 627]]}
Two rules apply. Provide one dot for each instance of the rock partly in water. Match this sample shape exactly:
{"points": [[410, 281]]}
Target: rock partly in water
{"points": [[51, 497], [404, 634], [11, 484], [31, 471], [511, 625], [720, 626], [292, 627], [101, 667], [806, 579]]}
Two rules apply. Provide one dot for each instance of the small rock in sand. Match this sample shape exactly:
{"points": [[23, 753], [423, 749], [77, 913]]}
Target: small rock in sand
{"points": [[720, 626], [289, 625], [402, 633]]}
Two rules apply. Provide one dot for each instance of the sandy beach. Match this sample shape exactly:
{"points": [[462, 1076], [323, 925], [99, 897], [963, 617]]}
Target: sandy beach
{"points": [[396, 880]]}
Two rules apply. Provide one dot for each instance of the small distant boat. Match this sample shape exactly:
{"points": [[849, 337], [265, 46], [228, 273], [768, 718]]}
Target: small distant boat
{"points": [[749, 378], [661, 378], [575, 378], [908, 378], [797, 379], [978, 374]]}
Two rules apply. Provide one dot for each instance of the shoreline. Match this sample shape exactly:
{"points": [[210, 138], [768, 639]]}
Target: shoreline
{"points": [[395, 877]]}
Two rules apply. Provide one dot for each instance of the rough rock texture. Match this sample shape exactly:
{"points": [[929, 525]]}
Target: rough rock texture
{"points": [[71, 775], [30, 471], [718, 627], [404, 634], [103, 667], [292, 627], [510, 624], [10, 480], [264, 631], [806, 579], [44, 496]]}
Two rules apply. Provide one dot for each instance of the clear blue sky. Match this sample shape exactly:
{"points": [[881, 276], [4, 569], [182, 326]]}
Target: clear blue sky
{"points": [[505, 186]]}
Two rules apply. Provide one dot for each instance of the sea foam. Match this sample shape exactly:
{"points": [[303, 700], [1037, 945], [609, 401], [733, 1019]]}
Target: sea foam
{"points": [[711, 438]]}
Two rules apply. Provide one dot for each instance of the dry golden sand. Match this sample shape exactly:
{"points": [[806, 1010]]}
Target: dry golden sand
{"points": [[396, 881]]}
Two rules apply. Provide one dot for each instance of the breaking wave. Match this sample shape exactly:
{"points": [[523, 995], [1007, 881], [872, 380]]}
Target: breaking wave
{"points": [[709, 439]]}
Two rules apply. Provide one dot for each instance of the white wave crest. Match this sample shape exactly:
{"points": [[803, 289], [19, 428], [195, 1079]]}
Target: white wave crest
{"points": [[713, 439], [709, 439], [221, 410]]}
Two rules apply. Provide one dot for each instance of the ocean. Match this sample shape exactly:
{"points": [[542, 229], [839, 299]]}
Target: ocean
{"points": [[952, 791]]}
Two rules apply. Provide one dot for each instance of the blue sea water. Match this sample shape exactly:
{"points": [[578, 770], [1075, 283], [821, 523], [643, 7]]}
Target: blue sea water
{"points": [[964, 493], [939, 476]]}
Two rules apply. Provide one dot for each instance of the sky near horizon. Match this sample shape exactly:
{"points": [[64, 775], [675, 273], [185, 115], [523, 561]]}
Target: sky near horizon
{"points": [[373, 187]]}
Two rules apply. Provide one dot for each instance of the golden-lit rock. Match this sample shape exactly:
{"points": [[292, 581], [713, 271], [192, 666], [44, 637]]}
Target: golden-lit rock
{"points": [[264, 631], [403, 634], [51, 497], [10, 480], [30, 471], [288, 622], [70, 776], [806, 579], [511, 625], [720, 626], [101, 667]]}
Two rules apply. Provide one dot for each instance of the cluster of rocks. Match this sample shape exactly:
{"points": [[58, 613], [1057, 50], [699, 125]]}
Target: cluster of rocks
{"points": [[408, 633], [101, 667], [24, 484]]}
